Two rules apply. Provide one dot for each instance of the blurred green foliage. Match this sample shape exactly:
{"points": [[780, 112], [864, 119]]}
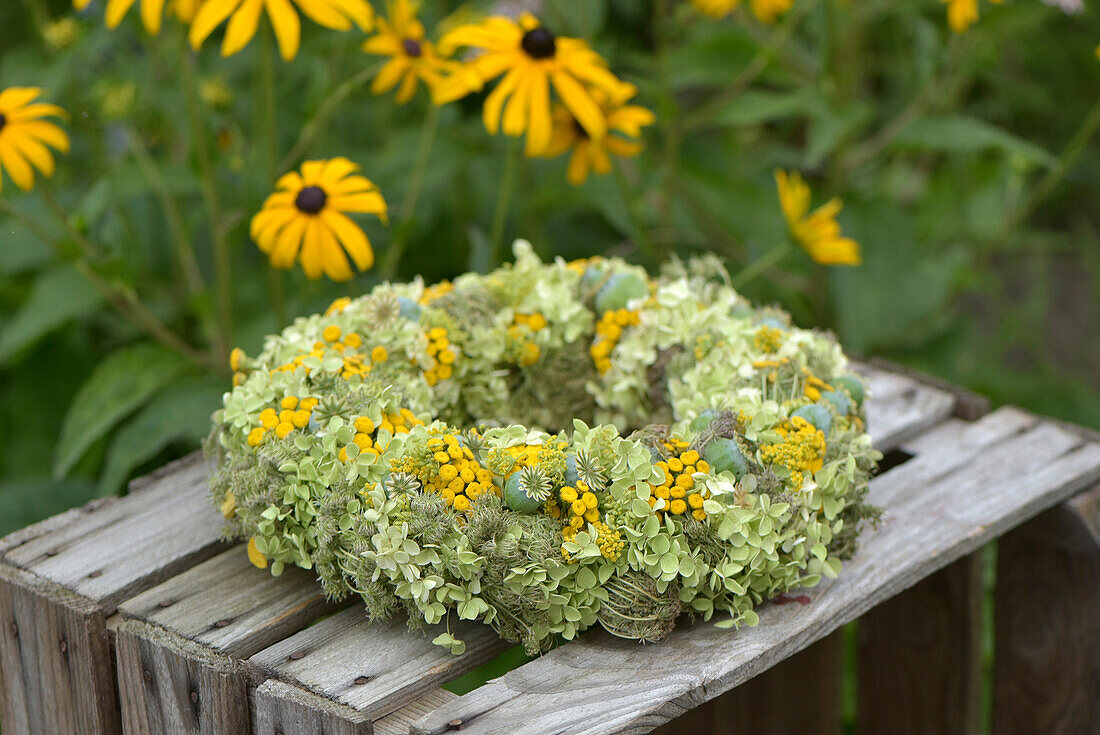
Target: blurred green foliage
{"points": [[966, 164]]}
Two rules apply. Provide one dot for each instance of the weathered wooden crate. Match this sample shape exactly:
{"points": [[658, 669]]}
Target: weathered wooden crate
{"points": [[130, 615]]}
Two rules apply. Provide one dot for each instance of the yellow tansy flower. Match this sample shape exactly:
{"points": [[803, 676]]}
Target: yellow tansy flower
{"points": [[152, 11], [766, 11], [25, 138], [961, 14], [244, 19], [304, 219], [531, 60], [594, 154], [817, 232], [413, 57]]}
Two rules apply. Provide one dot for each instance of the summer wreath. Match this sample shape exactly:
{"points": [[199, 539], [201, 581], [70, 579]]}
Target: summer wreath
{"points": [[548, 447]]}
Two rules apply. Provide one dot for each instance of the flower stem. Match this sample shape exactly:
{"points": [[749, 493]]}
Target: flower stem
{"points": [[122, 299], [412, 194], [1055, 175], [630, 201], [324, 112], [504, 199], [223, 276], [761, 264]]}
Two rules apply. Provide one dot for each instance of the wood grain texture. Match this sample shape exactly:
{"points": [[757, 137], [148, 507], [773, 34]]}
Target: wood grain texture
{"points": [[399, 722], [919, 657], [899, 408], [167, 685], [232, 607], [376, 668], [983, 479], [56, 661], [131, 544], [284, 709], [1047, 624]]}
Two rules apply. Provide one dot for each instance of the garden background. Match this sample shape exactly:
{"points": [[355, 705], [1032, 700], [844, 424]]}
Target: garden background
{"points": [[966, 162]]}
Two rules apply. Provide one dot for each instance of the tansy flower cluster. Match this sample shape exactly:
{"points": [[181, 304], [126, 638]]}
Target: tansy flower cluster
{"points": [[662, 418], [608, 332]]}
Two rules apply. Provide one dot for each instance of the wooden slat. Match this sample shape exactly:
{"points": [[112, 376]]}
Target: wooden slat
{"points": [[376, 668], [232, 607], [1047, 623], [399, 722], [936, 514], [132, 544], [76, 568], [899, 408], [182, 688], [284, 709], [919, 657], [55, 659]]}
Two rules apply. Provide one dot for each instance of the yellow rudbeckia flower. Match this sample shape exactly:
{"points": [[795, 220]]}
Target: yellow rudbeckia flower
{"points": [[624, 127], [961, 14], [244, 19], [531, 60], [766, 11], [413, 57], [817, 232], [25, 138], [304, 219], [152, 11]]}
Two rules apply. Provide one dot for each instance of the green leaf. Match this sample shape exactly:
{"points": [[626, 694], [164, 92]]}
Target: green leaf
{"points": [[961, 134], [58, 296], [180, 413], [125, 380], [754, 107]]}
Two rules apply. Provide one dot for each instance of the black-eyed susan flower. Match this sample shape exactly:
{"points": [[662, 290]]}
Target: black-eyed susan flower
{"points": [[244, 19], [531, 60], [961, 14], [817, 232], [413, 57], [25, 138], [152, 11], [305, 219], [624, 127], [766, 11]]}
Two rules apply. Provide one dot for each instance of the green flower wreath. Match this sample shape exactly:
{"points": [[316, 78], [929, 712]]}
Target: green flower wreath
{"points": [[547, 447]]}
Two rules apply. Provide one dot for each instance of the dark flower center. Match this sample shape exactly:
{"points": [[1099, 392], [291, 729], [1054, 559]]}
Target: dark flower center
{"points": [[3, 121], [539, 43], [412, 48], [311, 199]]}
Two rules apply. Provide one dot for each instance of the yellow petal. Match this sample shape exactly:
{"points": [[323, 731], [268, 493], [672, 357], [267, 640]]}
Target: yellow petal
{"points": [[540, 126], [577, 172], [289, 242], [333, 260], [360, 12], [407, 89], [254, 554], [494, 103], [291, 181], [242, 26], [311, 249], [210, 16], [351, 238], [515, 112], [288, 29], [389, 75], [17, 167], [116, 11], [269, 220], [311, 172], [581, 104], [152, 13], [323, 14], [36, 111], [365, 203], [46, 132], [35, 152]]}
